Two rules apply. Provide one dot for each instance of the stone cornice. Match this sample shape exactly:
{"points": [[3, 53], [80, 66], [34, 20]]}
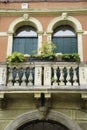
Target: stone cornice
{"points": [[19, 1], [19, 12]]}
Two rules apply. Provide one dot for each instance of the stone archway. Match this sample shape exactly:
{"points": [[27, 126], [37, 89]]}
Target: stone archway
{"points": [[25, 20], [42, 125], [69, 20], [36, 115]]}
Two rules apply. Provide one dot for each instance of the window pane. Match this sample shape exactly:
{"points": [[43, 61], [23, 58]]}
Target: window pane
{"points": [[64, 31], [65, 40], [26, 31], [25, 40], [25, 45]]}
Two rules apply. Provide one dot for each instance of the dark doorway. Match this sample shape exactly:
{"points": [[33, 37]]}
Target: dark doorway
{"points": [[42, 125]]}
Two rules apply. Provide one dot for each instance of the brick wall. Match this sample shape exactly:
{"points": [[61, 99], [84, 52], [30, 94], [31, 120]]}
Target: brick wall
{"points": [[6, 20]]}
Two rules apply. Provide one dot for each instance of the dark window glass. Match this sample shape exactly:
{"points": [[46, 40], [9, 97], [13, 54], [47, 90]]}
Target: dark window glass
{"points": [[25, 40], [65, 39]]}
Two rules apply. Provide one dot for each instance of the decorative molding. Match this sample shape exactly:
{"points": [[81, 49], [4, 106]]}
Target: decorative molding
{"points": [[3, 34], [85, 33], [26, 17], [24, 6], [51, 115], [19, 1], [64, 15], [33, 12]]}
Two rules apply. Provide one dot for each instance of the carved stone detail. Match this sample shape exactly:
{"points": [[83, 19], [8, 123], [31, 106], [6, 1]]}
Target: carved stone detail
{"points": [[84, 100], [26, 17]]}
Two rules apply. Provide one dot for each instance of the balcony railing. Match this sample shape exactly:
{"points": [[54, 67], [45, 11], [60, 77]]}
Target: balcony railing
{"points": [[34, 74], [43, 75]]}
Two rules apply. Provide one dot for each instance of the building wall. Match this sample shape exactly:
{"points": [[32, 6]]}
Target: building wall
{"points": [[67, 104], [45, 19], [18, 104]]}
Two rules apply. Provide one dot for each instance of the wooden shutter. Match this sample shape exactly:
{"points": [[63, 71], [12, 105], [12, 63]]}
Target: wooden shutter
{"points": [[65, 44], [25, 45]]}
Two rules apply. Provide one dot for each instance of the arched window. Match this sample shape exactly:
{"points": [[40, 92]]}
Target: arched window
{"points": [[65, 39], [25, 40]]}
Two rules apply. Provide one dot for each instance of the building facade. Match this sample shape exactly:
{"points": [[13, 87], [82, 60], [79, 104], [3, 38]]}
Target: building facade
{"points": [[46, 95]]}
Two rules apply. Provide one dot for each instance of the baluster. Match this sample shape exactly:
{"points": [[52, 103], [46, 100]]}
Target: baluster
{"points": [[23, 78], [31, 77], [68, 76], [75, 77], [61, 76], [17, 77], [10, 77], [55, 76]]}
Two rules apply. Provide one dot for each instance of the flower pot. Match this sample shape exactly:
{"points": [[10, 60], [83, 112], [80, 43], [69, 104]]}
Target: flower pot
{"points": [[58, 58], [26, 59]]}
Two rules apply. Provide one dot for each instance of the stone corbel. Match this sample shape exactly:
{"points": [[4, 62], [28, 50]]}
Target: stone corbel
{"points": [[84, 100], [1, 96], [38, 95], [2, 101], [43, 103]]}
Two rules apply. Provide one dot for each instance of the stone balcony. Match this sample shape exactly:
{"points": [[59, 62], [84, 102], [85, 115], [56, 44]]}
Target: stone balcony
{"points": [[43, 76], [43, 80]]}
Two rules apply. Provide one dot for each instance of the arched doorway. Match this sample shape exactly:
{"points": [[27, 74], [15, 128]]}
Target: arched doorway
{"points": [[42, 125], [35, 119]]}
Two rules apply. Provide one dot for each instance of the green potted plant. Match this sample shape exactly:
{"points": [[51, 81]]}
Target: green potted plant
{"points": [[15, 57], [74, 57], [47, 51]]}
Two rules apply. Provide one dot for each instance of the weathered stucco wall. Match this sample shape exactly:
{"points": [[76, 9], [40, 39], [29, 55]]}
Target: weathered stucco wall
{"points": [[67, 104]]}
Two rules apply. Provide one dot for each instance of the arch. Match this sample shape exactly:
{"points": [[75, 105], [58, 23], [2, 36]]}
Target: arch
{"points": [[67, 20], [21, 22], [65, 39], [34, 115]]}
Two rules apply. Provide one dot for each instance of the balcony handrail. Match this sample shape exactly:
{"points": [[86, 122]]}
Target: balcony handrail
{"points": [[43, 75]]}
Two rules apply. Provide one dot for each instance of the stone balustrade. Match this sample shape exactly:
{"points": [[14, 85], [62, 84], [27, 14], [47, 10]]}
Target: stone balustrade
{"points": [[40, 74]]}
